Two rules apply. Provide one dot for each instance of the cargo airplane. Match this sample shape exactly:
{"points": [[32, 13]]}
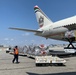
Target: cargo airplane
{"points": [[64, 30]]}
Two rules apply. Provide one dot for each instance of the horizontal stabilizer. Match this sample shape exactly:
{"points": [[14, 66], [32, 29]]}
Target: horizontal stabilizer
{"points": [[29, 30]]}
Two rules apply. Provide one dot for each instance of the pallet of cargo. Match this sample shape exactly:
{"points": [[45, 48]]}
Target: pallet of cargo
{"points": [[43, 60]]}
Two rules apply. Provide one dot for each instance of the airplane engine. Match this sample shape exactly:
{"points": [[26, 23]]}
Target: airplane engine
{"points": [[70, 34]]}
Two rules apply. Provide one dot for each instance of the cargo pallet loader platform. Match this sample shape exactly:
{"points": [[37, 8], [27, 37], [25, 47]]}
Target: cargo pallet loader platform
{"points": [[51, 60]]}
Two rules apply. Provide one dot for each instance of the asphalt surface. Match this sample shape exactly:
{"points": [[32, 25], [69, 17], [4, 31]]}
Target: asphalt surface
{"points": [[27, 66]]}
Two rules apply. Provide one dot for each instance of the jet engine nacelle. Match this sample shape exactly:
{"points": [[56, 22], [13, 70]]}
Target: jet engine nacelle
{"points": [[70, 34]]}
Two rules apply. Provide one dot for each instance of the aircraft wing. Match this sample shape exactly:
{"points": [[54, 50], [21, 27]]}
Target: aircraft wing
{"points": [[71, 26], [29, 30]]}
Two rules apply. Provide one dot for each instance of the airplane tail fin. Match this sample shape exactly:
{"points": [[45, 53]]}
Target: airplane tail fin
{"points": [[42, 18]]}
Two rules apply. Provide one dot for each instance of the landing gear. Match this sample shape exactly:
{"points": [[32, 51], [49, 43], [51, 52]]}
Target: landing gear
{"points": [[71, 40], [71, 49]]}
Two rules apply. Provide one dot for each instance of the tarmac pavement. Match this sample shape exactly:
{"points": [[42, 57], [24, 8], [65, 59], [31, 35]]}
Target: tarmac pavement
{"points": [[27, 66]]}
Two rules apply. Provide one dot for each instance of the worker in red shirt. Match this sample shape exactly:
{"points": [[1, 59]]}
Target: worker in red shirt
{"points": [[16, 52]]}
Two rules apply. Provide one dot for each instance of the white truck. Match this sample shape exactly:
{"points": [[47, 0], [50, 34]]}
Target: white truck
{"points": [[7, 50], [43, 60]]}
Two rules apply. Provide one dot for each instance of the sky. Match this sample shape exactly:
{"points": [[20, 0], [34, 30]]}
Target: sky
{"points": [[20, 13]]}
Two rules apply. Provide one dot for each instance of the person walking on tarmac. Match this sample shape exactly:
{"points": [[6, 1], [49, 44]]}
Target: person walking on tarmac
{"points": [[15, 54]]}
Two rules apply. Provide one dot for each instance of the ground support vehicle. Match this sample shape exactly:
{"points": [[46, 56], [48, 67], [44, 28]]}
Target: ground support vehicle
{"points": [[52, 60]]}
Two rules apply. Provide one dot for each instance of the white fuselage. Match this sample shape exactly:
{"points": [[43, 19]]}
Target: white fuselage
{"points": [[57, 29], [53, 32]]}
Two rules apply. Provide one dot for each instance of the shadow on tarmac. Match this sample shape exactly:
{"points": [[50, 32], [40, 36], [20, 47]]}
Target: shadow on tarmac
{"points": [[65, 73]]}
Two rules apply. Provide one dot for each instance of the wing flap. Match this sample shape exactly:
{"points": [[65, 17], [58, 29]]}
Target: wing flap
{"points": [[29, 30]]}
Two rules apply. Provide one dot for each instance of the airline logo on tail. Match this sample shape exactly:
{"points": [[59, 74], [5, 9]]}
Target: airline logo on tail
{"points": [[41, 21], [42, 18]]}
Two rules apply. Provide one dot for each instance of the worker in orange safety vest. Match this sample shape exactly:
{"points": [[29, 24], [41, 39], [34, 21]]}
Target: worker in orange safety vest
{"points": [[15, 54]]}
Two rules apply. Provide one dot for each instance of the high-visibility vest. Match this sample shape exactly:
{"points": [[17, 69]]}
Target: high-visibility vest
{"points": [[16, 51]]}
